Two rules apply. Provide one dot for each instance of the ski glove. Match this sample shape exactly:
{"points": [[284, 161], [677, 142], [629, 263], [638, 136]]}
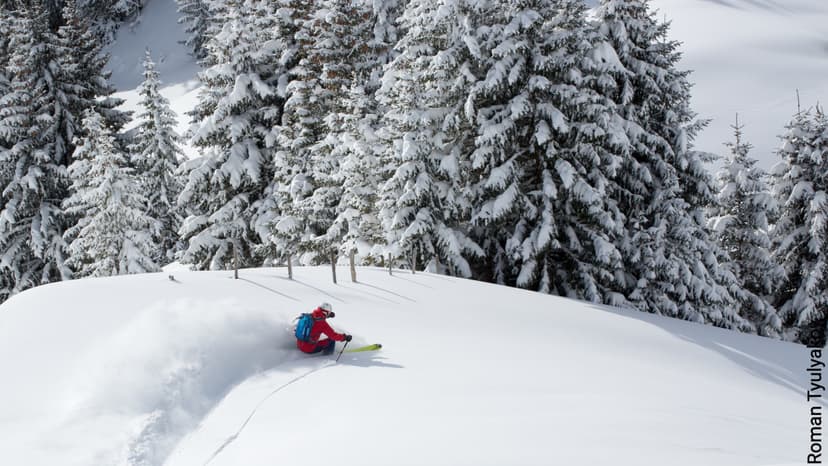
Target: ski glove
{"points": [[348, 338], [331, 315]]}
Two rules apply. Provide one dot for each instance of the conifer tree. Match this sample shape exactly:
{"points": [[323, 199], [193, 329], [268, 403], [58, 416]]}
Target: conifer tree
{"points": [[424, 204], [386, 33], [237, 109], [352, 140], [5, 53], [84, 80], [6, 30], [313, 94], [114, 235], [324, 59], [356, 227], [671, 264], [739, 222], [340, 32], [800, 235], [543, 211], [197, 18], [34, 166], [56, 76], [156, 155]]}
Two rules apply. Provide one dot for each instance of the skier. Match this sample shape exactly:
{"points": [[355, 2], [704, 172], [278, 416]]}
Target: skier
{"points": [[320, 327]]}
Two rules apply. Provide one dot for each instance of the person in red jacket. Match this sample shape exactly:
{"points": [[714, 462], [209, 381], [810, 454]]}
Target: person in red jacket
{"points": [[321, 327]]}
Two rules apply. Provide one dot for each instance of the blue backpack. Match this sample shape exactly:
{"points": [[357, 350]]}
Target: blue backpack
{"points": [[303, 327]]}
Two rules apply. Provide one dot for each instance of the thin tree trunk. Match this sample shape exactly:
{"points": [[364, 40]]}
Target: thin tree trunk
{"points": [[353, 267], [290, 267], [333, 266], [235, 262], [389, 264]]}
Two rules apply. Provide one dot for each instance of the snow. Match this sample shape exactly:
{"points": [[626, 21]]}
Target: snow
{"points": [[145, 370]]}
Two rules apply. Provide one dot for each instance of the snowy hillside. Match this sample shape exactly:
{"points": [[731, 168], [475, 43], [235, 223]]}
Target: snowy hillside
{"points": [[750, 57], [142, 370]]}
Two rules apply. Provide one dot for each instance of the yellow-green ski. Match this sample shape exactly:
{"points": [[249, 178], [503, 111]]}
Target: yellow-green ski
{"points": [[373, 347]]}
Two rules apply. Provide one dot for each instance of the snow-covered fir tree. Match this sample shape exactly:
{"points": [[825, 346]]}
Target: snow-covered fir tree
{"points": [[671, 264], [277, 223], [387, 31], [103, 16], [356, 227], [800, 234], [340, 31], [8, 132], [739, 222], [424, 204], [5, 52], [197, 18], [238, 107], [156, 154], [114, 235], [352, 140], [304, 174], [55, 77], [287, 33], [85, 80], [543, 211]]}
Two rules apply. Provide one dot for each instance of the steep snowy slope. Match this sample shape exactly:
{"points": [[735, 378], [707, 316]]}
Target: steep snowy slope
{"points": [[142, 370], [750, 57]]}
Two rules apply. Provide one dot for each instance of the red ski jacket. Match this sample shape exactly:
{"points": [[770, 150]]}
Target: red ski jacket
{"points": [[320, 327]]}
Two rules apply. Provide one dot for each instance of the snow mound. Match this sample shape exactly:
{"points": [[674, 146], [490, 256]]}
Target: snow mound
{"points": [[140, 372], [145, 370]]}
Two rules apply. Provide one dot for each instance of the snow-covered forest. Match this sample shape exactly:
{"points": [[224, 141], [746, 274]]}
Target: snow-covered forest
{"points": [[531, 143]]}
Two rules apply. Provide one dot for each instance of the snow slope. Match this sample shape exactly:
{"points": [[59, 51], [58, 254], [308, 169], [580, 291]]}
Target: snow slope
{"points": [[142, 370], [750, 57]]}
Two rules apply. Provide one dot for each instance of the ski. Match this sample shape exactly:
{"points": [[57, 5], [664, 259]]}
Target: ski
{"points": [[373, 347]]}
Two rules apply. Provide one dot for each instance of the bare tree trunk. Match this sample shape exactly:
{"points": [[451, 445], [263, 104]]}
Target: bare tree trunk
{"points": [[353, 267], [235, 262], [290, 267], [413, 263], [333, 266], [389, 264]]}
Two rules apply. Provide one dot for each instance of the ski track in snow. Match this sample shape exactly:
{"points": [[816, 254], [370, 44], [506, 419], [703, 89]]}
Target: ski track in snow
{"points": [[233, 437]]}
